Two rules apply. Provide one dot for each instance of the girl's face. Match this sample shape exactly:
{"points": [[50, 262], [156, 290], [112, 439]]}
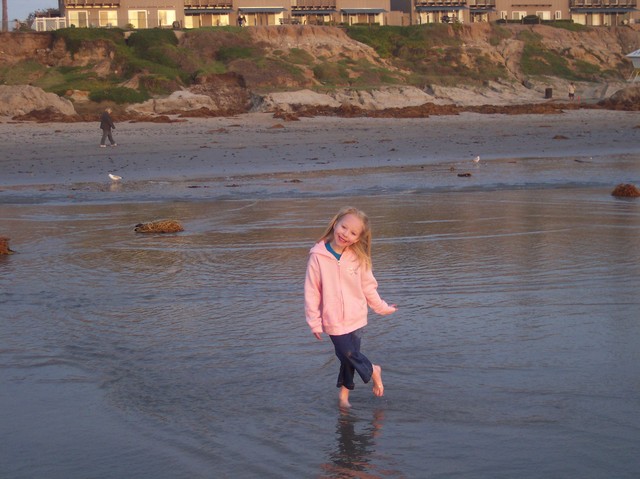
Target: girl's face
{"points": [[346, 232]]}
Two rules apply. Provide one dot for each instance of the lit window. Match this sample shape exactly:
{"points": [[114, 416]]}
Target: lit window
{"points": [[108, 18], [166, 18], [78, 19], [138, 18]]}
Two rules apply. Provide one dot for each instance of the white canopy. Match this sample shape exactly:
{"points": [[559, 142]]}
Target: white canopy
{"points": [[635, 58]]}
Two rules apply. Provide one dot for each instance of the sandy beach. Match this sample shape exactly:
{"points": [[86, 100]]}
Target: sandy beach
{"points": [[514, 352], [66, 156]]}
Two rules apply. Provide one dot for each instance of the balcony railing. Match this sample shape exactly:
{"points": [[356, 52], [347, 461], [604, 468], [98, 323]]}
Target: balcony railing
{"points": [[603, 4], [91, 3], [313, 4], [442, 3], [205, 4], [481, 3]]}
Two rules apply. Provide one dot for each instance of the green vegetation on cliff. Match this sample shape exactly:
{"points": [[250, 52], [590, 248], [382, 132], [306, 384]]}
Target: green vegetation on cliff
{"points": [[538, 60], [125, 67], [438, 54], [434, 53]]}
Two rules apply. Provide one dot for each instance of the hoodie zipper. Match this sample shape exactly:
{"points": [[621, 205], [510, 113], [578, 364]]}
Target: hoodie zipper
{"points": [[340, 285]]}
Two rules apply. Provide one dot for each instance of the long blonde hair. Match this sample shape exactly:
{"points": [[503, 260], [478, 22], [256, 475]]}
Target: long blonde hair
{"points": [[362, 248]]}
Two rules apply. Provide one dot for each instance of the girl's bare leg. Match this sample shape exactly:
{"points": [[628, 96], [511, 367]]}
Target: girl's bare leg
{"points": [[378, 387], [344, 397]]}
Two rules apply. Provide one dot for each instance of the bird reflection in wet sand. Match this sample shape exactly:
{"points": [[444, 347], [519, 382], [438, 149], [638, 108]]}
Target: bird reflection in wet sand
{"points": [[115, 182]]}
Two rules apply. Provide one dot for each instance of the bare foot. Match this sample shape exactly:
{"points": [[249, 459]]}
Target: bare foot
{"points": [[378, 387], [344, 398]]}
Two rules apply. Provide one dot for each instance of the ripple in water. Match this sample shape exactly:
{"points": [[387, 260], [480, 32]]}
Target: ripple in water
{"points": [[514, 352]]}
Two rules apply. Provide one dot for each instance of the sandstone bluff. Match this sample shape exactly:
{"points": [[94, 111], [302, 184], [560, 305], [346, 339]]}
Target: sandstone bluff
{"points": [[244, 89]]}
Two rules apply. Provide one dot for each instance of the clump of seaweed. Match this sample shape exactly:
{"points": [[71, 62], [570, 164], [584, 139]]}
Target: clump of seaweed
{"points": [[626, 190], [161, 226]]}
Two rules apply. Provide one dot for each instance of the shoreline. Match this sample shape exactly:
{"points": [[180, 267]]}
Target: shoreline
{"points": [[257, 144]]}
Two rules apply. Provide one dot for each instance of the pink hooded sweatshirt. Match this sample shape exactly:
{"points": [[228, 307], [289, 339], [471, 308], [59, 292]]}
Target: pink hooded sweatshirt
{"points": [[337, 293]]}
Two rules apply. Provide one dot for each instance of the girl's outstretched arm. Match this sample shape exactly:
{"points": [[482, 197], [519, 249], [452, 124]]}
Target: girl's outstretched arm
{"points": [[370, 290]]}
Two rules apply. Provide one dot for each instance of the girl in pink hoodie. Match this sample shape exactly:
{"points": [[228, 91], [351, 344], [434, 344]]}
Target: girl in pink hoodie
{"points": [[339, 288]]}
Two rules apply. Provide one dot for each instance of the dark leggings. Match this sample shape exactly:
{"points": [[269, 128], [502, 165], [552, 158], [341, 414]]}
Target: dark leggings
{"points": [[106, 133], [347, 348]]}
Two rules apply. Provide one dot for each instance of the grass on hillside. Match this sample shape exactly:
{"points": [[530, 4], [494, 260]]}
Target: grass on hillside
{"points": [[538, 60], [153, 56], [568, 25], [160, 63], [24, 72], [433, 53], [75, 37]]}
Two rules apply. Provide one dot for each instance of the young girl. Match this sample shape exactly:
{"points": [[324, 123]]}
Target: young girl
{"points": [[338, 288]]}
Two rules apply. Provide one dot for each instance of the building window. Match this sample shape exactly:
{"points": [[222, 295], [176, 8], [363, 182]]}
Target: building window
{"points": [[558, 15], [108, 18], [166, 18], [78, 19], [138, 18], [515, 15]]}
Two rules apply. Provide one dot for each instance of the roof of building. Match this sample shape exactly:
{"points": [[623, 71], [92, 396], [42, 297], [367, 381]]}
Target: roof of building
{"points": [[355, 11], [318, 11], [440, 8], [603, 10], [261, 9]]}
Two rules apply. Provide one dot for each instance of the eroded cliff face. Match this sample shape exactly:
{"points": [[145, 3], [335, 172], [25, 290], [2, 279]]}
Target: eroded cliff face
{"points": [[17, 47], [251, 84], [502, 45], [320, 42], [605, 48], [45, 49]]}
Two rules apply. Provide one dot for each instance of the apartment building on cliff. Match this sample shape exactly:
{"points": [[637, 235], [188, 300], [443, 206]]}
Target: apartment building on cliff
{"points": [[585, 12], [201, 13]]}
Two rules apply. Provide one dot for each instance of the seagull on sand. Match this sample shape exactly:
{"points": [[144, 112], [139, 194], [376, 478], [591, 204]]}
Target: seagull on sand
{"points": [[476, 159], [114, 177]]}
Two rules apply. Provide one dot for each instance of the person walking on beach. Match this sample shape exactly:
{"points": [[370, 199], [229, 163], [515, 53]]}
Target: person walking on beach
{"points": [[106, 125], [572, 91], [339, 287]]}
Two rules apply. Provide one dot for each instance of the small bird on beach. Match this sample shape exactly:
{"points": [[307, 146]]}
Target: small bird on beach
{"points": [[114, 177], [476, 159]]}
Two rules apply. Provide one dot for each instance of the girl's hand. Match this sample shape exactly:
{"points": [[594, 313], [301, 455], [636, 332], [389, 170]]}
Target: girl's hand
{"points": [[392, 309], [318, 336]]}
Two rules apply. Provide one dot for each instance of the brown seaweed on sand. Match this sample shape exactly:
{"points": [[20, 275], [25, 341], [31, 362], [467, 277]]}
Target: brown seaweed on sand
{"points": [[626, 190], [161, 226], [4, 246]]}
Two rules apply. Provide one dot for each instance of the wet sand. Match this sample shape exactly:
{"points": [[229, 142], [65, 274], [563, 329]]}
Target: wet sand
{"points": [[514, 351], [35, 156]]}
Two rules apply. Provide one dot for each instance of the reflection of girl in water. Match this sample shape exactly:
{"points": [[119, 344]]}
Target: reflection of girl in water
{"points": [[354, 450]]}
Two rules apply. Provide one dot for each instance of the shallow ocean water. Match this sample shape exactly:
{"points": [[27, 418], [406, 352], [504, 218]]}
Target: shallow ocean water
{"points": [[515, 351]]}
